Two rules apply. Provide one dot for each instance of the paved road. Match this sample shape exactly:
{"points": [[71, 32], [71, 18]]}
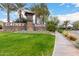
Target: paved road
{"points": [[64, 47]]}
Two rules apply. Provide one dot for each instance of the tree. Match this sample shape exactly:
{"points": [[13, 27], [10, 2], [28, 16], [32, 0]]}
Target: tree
{"points": [[55, 20], [45, 11], [66, 23], [41, 11], [20, 7], [7, 7], [76, 25]]}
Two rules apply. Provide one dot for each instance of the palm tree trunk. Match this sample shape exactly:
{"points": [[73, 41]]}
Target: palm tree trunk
{"points": [[36, 19], [20, 16], [43, 19], [8, 13]]}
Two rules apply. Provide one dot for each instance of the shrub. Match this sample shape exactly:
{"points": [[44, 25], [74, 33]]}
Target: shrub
{"points": [[72, 37], [69, 36], [60, 30], [65, 33], [50, 26]]}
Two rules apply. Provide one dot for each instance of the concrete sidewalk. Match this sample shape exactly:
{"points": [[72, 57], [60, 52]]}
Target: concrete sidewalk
{"points": [[63, 47]]}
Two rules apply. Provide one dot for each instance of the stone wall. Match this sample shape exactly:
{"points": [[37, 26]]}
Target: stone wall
{"points": [[14, 26], [39, 27], [22, 26]]}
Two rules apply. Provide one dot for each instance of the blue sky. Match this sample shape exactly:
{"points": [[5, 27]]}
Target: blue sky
{"points": [[62, 9], [54, 8]]}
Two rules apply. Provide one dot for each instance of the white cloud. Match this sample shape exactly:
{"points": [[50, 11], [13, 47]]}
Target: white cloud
{"points": [[75, 4], [71, 17], [62, 4]]}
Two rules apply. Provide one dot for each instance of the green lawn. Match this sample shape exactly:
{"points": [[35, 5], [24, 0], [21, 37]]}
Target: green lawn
{"points": [[23, 44]]}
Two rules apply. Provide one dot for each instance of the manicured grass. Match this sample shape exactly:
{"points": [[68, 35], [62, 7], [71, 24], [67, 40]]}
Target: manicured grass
{"points": [[23, 44]]}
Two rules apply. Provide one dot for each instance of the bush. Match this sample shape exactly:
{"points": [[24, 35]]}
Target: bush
{"points": [[50, 26], [65, 33], [60, 30], [72, 37], [69, 36]]}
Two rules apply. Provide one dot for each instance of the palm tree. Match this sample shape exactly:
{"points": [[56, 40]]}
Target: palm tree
{"points": [[35, 8], [45, 11], [7, 7], [20, 7], [40, 10]]}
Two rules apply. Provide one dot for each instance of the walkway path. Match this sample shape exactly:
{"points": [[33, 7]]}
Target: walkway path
{"points": [[64, 47]]}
